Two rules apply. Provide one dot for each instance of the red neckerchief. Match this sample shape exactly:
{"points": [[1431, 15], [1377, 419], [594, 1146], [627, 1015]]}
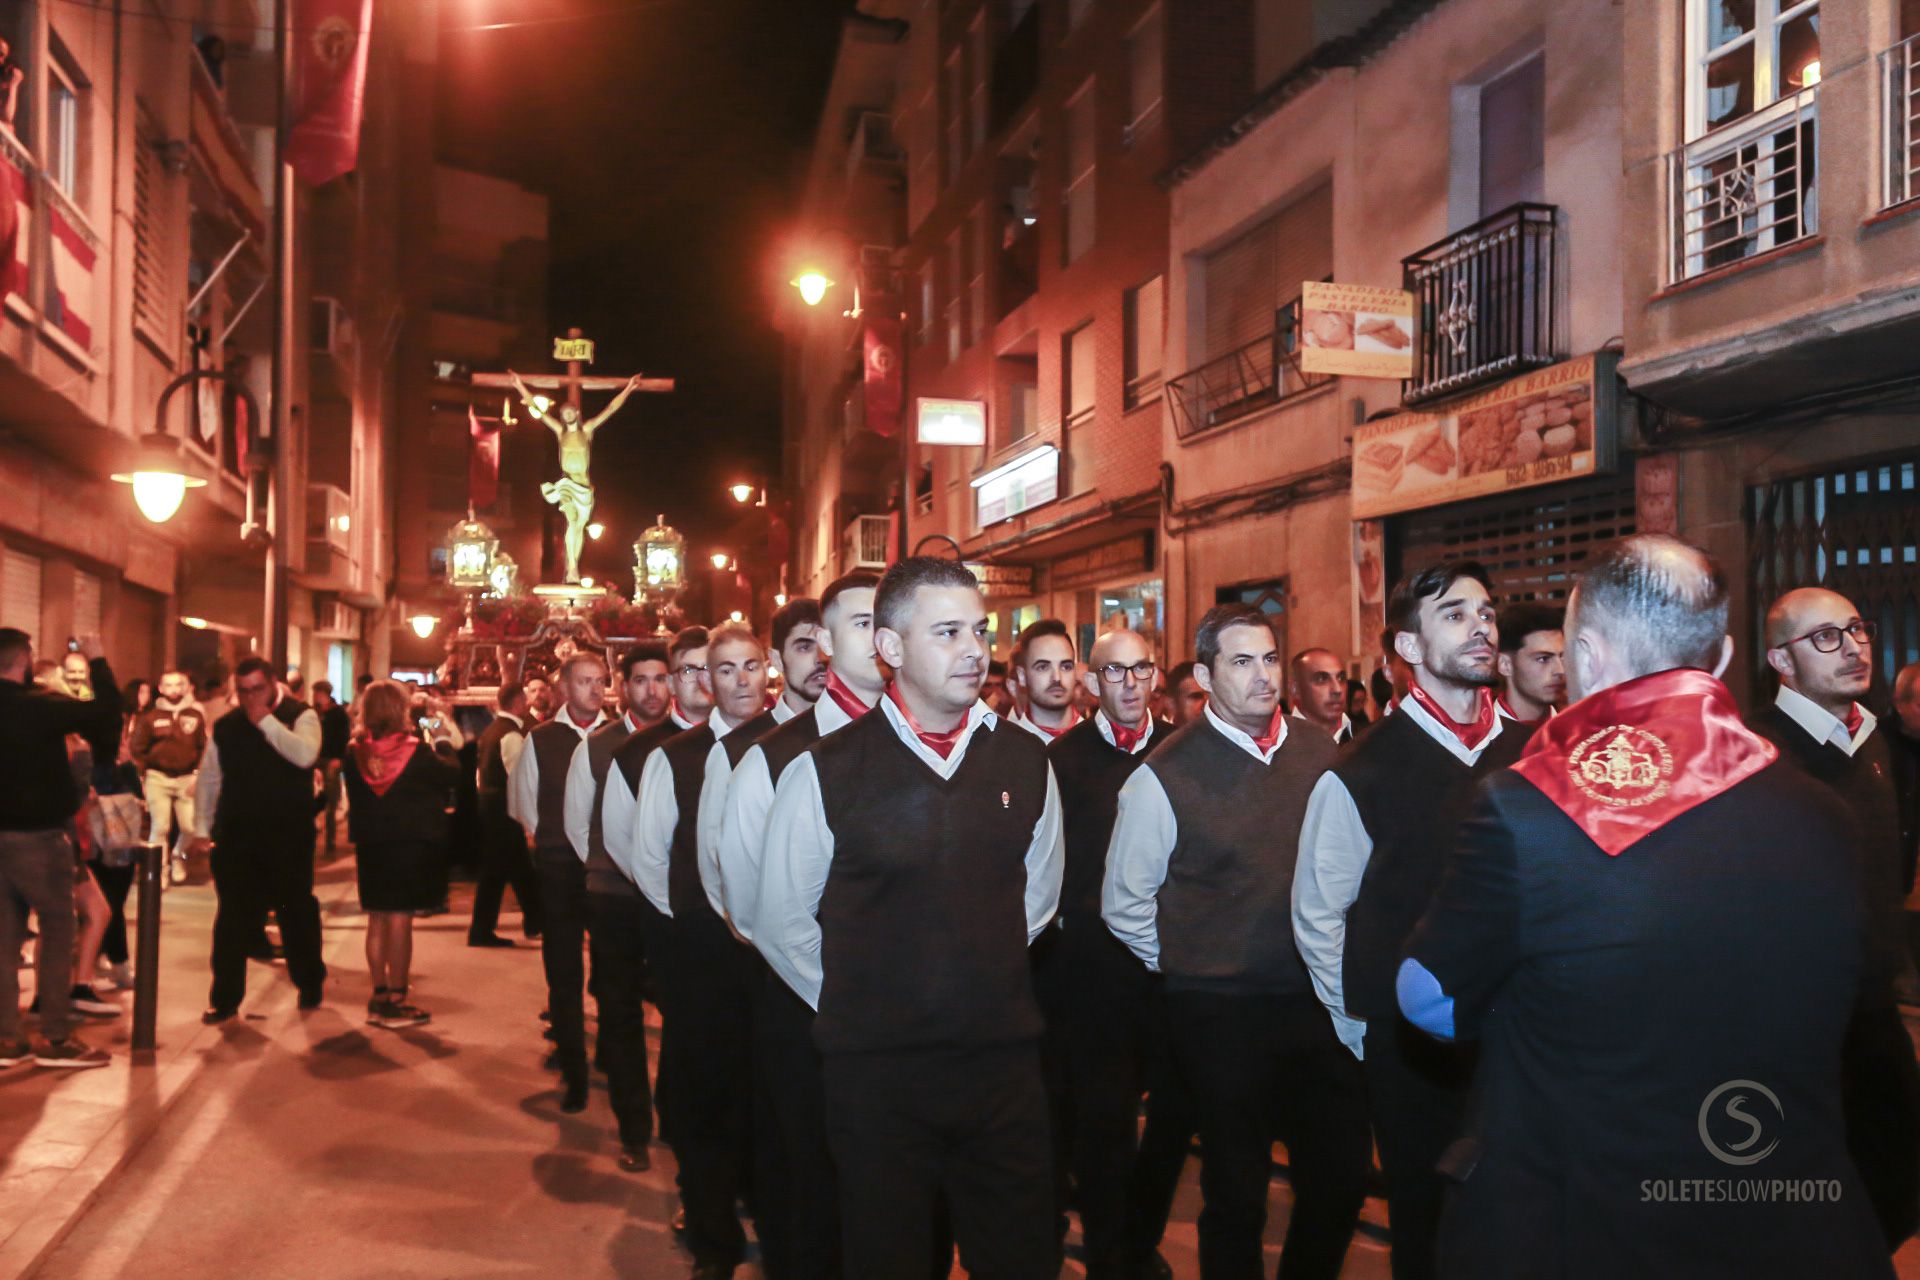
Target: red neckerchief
{"points": [[1855, 718], [1266, 740], [845, 698], [1127, 739], [941, 743], [1073, 718], [566, 713], [1630, 759], [1516, 717], [382, 760], [1473, 734]]}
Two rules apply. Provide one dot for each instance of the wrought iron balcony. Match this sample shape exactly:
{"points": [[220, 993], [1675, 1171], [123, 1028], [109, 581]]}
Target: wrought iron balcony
{"points": [[1746, 188], [1900, 68], [1245, 380], [1487, 303]]}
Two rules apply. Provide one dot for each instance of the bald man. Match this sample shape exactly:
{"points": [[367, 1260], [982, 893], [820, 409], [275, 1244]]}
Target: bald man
{"points": [[1317, 690], [1822, 651], [1099, 1001]]}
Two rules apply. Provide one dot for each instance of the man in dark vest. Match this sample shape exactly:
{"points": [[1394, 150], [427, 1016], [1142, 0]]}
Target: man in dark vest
{"points": [[616, 938], [1043, 675], [790, 1136], [1822, 650], [536, 797], [910, 859], [1198, 875], [1376, 839], [1533, 669], [1101, 1005], [1655, 928], [709, 974], [503, 845], [1317, 688], [254, 809]]}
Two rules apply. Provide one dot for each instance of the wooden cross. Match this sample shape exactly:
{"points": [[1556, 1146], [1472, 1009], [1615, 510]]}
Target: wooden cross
{"points": [[577, 350]]}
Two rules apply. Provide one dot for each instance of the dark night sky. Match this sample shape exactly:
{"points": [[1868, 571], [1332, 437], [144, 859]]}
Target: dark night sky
{"points": [[668, 135]]}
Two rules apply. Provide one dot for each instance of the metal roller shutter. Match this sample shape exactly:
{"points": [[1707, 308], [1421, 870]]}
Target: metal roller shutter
{"points": [[1252, 276], [1533, 543], [20, 594]]}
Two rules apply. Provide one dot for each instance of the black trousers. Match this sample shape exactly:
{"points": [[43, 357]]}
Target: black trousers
{"points": [[618, 928], [1099, 1003], [563, 896], [257, 872], [793, 1168], [114, 884], [1417, 1089], [711, 981], [972, 1124], [503, 862], [1880, 1098], [1266, 1066]]}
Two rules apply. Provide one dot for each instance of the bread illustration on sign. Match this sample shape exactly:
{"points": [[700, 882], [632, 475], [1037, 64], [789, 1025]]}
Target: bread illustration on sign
{"points": [[1384, 330], [1383, 463], [1432, 450]]}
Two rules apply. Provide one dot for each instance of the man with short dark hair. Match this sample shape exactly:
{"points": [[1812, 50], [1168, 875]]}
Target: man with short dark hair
{"points": [[1533, 672], [38, 799], [1822, 651], [1188, 698], [798, 653], [1655, 930], [1197, 880], [1317, 688], [1376, 838], [254, 810], [166, 743], [995, 693], [503, 844], [616, 926], [1043, 676], [335, 728], [910, 858], [536, 797]]}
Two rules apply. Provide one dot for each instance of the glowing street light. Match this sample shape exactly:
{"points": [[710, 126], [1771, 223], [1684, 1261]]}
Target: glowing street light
{"points": [[160, 477], [721, 560], [737, 616], [813, 286], [423, 624], [595, 530], [742, 492], [198, 624]]}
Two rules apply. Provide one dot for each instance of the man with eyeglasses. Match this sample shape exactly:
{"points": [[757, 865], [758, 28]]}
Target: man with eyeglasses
{"points": [[1099, 1002], [1198, 884], [1822, 651], [1043, 672]]}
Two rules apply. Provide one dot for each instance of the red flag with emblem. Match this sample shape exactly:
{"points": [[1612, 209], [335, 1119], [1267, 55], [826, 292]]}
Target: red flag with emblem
{"points": [[483, 461], [885, 385], [330, 86]]}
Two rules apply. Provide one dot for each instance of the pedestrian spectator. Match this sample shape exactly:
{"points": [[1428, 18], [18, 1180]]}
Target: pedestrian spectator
{"points": [[397, 784], [503, 849], [115, 830], [38, 799], [1357, 705], [253, 810], [135, 698], [165, 745], [336, 726]]}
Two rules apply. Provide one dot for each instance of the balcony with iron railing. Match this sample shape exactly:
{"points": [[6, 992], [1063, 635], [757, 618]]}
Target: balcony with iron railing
{"points": [[1487, 303], [1745, 189], [1259, 375], [1900, 128]]}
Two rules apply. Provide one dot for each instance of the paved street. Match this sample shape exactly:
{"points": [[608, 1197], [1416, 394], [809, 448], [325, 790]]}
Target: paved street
{"points": [[316, 1146]]}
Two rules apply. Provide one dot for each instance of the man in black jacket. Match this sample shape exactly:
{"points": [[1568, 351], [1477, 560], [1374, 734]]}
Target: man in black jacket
{"points": [[335, 728], [166, 743], [1822, 650], [38, 798], [1655, 929]]}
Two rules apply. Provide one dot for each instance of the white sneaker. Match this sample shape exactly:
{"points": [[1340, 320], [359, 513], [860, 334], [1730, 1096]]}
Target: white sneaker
{"points": [[177, 870]]}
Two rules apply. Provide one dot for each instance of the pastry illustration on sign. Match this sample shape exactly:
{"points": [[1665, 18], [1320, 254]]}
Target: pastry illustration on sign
{"points": [[1551, 424], [1384, 330]]}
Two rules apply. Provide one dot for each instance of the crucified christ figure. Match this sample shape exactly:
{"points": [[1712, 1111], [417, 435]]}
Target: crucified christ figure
{"points": [[573, 491]]}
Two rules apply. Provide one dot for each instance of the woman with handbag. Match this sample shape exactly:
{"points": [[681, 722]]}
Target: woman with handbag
{"points": [[398, 781]]}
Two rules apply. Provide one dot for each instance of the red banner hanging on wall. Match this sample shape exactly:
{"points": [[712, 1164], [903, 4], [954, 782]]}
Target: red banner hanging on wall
{"points": [[885, 369], [483, 461], [330, 62]]}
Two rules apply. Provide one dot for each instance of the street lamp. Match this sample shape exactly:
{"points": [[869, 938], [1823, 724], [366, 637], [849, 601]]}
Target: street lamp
{"points": [[742, 492], [720, 560], [470, 547], [423, 624], [160, 476], [595, 530], [813, 286]]}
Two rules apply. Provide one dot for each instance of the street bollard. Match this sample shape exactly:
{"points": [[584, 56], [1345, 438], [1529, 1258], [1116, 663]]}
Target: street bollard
{"points": [[146, 950]]}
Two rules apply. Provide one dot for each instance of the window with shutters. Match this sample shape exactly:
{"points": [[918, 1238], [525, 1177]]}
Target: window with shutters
{"points": [[20, 594], [150, 293], [86, 604], [1145, 312], [923, 335], [1077, 227], [1077, 380], [980, 245], [1513, 138], [982, 59], [1248, 280], [64, 121], [956, 298], [1144, 74], [956, 108], [1534, 543]]}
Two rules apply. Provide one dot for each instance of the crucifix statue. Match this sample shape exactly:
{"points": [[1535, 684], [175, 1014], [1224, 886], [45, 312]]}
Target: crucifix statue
{"points": [[572, 493]]}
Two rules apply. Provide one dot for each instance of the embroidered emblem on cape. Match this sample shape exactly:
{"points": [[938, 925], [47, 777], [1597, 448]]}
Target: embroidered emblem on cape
{"points": [[1621, 766]]}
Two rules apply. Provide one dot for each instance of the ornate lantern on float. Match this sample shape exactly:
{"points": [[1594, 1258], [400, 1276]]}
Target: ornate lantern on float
{"points": [[659, 564], [470, 552], [503, 578]]}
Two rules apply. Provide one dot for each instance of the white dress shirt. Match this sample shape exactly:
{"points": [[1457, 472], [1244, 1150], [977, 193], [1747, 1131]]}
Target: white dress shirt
{"points": [[513, 742], [1025, 722], [577, 805], [799, 853], [709, 824], [523, 784], [298, 746], [1334, 851], [1823, 724], [1342, 734], [649, 843], [618, 805], [1144, 835], [743, 829], [1105, 726]]}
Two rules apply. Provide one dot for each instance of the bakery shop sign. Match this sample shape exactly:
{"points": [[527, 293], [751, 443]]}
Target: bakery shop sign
{"points": [[1556, 424], [1355, 330]]}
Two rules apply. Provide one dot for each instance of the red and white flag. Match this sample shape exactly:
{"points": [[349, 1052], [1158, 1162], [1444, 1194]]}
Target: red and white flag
{"points": [[14, 197], [330, 86]]}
